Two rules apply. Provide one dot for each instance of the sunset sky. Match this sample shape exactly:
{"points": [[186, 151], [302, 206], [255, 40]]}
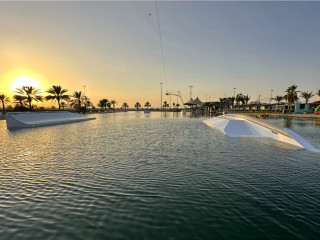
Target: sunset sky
{"points": [[113, 48]]}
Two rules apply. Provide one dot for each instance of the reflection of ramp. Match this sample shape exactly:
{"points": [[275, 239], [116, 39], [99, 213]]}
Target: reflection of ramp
{"points": [[236, 125], [30, 120]]}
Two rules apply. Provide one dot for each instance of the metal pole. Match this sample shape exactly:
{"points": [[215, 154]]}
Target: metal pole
{"points": [[190, 91], [161, 98], [271, 96]]}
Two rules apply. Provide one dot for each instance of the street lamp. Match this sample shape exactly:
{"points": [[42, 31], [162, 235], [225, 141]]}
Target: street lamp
{"points": [[271, 96]]}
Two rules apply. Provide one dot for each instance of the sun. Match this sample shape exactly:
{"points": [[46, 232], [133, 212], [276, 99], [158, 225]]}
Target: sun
{"points": [[21, 81]]}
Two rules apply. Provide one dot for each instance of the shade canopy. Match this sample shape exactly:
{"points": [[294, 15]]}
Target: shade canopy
{"points": [[195, 102]]}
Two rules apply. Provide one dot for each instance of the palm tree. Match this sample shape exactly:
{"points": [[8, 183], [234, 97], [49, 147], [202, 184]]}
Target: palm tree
{"points": [[113, 102], [87, 103], [231, 99], [306, 95], [278, 99], [103, 103], [63, 105], [238, 99], [291, 96], [125, 106], [165, 105], [137, 105], [77, 100], [57, 94], [31, 94], [246, 99], [4, 100], [20, 100], [147, 105]]}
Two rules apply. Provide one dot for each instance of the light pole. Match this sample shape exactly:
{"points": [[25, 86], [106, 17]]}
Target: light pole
{"points": [[190, 91], [234, 92], [161, 98], [271, 96]]}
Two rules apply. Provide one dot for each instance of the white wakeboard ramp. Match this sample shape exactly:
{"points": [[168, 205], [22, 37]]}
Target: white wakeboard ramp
{"points": [[41, 119], [238, 125]]}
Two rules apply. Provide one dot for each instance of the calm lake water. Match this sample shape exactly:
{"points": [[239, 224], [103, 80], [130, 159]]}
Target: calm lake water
{"points": [[146, 176]]}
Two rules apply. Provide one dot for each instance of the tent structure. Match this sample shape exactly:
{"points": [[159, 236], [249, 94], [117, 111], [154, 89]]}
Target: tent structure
{"points": [[237, 125], [317, 111], [196, 102]]}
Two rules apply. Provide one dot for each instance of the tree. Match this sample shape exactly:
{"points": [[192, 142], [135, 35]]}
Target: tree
{"points": [[63, 105], [147, 105], [177, 105], [87, 103], [57, 94], [113, 102], [291, 96], [223, 103], [31, 94], [125, 106], [231, 99], [103, 103], [137, 105], [306, 95], [4, 100], [165, 105], [19, 101], [278, 98], [318, 92], [246, 99], [238, 99], [77, 100]]}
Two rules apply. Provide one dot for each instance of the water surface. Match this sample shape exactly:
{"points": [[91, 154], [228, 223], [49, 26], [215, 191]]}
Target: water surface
{"points": [[146, 176]]}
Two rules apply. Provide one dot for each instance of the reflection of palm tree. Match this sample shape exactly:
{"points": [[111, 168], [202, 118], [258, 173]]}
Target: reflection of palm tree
{"points": [[137, 105], [31, 94], [113, 102], [291, 95], [147, 105], [58, 94], [306, 95], [4, 100]]}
